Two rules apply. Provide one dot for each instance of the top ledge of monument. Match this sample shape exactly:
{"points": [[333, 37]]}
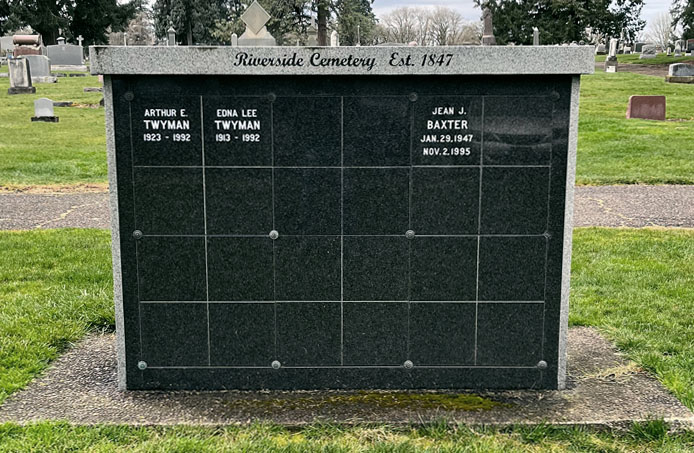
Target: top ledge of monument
{"points": [[377, 60]]}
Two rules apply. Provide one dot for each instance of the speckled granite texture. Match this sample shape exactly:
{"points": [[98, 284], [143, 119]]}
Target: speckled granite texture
{"points": [[342, 60]]}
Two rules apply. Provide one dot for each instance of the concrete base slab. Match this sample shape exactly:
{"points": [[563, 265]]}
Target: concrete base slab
{"points": [[57, 67], [679, 79], [604, 390], [21, 90]]}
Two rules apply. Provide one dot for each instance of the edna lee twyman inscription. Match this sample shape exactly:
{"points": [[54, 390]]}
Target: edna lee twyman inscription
{"points": [[306, 218]]}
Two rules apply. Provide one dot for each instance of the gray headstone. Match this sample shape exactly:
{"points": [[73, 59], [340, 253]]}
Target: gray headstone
{"points": [[234, 39], [681, 70], [256, 34], [678, 48], [40, 69], [20, 76], [648, 51], [488, 38], [627, 50], [639, 46], [600, 49], [61, 40], [334, 39], [171, 34], [43, 111], [65, 55], [536, 36], [668, 52]]}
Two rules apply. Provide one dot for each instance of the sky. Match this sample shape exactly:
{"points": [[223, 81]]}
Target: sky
{"points": [[651, 8]]}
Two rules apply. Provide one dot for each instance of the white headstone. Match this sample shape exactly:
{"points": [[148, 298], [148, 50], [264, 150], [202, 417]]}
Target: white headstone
{"points": [[668, 52], [536, 36], [678, 48], [334, 39], [43, 107], [171, 33], [125, 39], [256, 34], [234, 39], [613, 47], [79, 40]]}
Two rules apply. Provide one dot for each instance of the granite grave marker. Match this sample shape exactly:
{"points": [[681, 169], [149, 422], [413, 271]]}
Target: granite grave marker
{"points": [[341, 217], [20, 76]]}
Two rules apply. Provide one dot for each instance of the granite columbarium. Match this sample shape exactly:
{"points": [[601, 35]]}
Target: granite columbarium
{"points": [[341, 217]]}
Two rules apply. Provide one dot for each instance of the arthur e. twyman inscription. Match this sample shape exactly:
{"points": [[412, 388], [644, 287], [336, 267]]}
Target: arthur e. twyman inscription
{"points": [[298, 218]]}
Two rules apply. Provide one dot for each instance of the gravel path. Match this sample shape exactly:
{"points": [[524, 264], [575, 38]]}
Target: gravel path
{"points": [[611, 206]]}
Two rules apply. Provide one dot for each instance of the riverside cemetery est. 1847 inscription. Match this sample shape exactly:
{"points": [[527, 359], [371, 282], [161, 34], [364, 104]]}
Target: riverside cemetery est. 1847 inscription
{"points": [[341, 231]]}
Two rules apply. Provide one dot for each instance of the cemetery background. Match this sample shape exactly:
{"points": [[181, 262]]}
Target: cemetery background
{"points": [[622, 280]]}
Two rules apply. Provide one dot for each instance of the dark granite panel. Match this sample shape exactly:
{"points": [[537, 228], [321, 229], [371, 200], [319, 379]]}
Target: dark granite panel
{"points": [[344, 378], [307, 131], [307, 268], [442, 333], [376, 200], [445, 200], [512, 268], [238, 130], [240, 268], [166, 130], [239, 200], [447, 130], [242, 334], [375, 333], [509, 334], [377, 131], [308, 333], [514, 200], [444, 268], [376, 268], [171, 268], [174, 334], [169, 201], [517, 130], [307, 200]]}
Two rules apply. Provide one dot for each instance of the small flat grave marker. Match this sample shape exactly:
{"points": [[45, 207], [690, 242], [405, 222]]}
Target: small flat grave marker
{"points": [[646, 107], [43, 111]]}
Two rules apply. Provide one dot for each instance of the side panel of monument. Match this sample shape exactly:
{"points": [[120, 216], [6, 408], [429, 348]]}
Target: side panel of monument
{"points": [[307, 218]]}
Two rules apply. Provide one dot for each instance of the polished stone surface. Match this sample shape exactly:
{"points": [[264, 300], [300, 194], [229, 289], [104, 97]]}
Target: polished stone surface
{"points": [[345, 254]]}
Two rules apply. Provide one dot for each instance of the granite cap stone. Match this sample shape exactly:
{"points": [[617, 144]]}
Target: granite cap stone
{"points": [[341, 60]]}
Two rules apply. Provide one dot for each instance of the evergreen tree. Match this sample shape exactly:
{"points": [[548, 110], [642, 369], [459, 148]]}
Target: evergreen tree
{"points": [[355, 21], [561, 21], [683, 15]]}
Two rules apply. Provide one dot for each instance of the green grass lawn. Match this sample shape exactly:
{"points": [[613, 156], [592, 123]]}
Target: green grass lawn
{"points": [[71, 151], [636, 286], [612, 149], [615, 150], [633, 58], [436, 437]]}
